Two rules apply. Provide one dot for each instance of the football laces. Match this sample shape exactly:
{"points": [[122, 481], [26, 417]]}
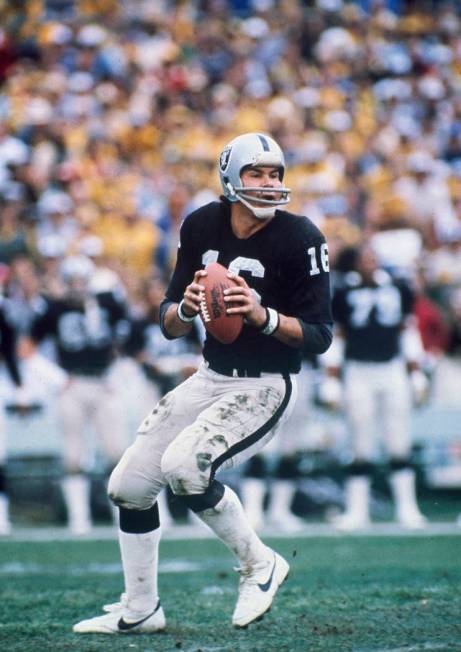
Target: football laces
{"points": [[203, 309]]}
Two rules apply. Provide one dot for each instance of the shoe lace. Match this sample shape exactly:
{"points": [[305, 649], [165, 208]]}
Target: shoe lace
{"points": [[243, 572], [248, 579], [117, 606]]}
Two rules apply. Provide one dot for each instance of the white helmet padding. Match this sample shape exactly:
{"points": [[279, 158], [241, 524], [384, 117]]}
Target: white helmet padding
{"points": [[251, 150]]}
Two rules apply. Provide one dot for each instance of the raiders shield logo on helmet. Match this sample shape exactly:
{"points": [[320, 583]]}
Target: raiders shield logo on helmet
{"points": [[224, 158]]}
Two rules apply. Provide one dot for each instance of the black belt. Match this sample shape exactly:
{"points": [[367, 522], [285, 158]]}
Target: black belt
{"points": [[235, 372]]}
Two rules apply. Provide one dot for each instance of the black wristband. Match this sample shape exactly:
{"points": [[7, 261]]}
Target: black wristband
{"points": [[266, 323]]}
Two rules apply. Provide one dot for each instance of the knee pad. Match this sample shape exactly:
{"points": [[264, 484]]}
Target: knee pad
{"points": [[256, 467], [287, 467], [134, 521], [206, 500], [126, 491], [2, 479], [361, 468], [185, 475], [400, 464]]}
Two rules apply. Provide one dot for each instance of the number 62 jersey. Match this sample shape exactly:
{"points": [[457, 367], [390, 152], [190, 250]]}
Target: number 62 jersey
{"points": [[85, 332], [286, 265]]}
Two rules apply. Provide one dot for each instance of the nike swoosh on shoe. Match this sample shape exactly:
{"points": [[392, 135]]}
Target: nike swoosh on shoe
{"points": [[267, 585], [124, 626]]}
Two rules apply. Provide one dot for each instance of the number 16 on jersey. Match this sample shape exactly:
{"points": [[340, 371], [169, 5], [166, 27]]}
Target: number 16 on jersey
{"points": [[318, 256]]}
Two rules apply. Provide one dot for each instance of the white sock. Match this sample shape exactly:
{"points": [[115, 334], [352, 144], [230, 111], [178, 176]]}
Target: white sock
{"points": [[5, 524], [164, 511], [403, 485], [76, 490], [229, 522], [253, 491], [115, 513], [140, 568], [358, 497], [281, 497]]}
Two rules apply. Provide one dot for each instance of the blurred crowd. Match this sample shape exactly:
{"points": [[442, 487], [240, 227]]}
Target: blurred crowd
{"points": [[113, 115]]}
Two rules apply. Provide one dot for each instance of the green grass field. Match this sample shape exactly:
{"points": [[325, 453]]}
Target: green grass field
{"points": [[344, 593]]}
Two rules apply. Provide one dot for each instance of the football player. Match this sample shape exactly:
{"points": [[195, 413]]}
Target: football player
{"points": [[165, 363], [375, 349], [9, 357], [241, 394], [83, 325]]}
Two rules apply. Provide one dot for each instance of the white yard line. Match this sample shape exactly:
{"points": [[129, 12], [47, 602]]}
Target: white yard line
{"points": [[165, 567], [188, 532], [422, 647]]}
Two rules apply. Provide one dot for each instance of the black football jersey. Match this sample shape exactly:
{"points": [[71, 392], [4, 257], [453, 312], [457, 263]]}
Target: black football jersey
{"points": [[8, 346], [371, 316], [285, 263], [85, 334]]}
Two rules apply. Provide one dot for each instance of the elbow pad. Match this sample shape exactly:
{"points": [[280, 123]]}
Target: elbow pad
{"points": [[317, 337], [166, 303]]}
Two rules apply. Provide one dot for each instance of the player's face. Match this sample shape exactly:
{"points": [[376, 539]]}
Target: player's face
{"points": [[367, 262], [77, 288], [265, 178]]}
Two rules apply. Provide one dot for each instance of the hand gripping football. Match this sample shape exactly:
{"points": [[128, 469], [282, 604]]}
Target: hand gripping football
{"points": [[225, 328]]}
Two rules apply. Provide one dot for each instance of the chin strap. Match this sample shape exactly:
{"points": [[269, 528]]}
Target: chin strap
{"points": [[261, 212]]}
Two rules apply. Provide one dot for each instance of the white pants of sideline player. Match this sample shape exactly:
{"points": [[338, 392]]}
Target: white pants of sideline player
{"points": [[88, 400], [5, 526], [378, 402], [194, 426]]}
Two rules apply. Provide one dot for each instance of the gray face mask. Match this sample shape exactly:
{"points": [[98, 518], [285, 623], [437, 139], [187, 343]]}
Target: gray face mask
{"points": [[252, 150]]}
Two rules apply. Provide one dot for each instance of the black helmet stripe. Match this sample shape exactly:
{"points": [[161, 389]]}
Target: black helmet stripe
{"points": [[264, 143]]}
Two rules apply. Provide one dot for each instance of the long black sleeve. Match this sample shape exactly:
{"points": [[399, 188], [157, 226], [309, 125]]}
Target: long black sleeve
{"points": [[8, 349], [317, 337]]}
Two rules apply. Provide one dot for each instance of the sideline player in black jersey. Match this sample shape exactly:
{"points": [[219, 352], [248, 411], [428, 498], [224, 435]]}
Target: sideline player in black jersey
{"points": [[373, 311], [165, 363], [9, 357], [242, 392], [83, 324]]}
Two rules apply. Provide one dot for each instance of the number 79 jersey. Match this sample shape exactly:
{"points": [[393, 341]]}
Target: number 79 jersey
{"points": [[286, 265], [371, 315]]}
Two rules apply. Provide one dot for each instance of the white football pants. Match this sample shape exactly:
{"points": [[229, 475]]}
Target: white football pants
{"points": [[208, 422], [298, 428], [3, 439], [88, 400], [378, 403]]}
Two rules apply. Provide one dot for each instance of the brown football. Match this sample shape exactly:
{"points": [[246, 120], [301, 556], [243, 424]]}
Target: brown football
{"points": [[225, 328]]}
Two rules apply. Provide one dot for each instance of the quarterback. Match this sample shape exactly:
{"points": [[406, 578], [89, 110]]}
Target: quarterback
{"points": [[242, 392]]}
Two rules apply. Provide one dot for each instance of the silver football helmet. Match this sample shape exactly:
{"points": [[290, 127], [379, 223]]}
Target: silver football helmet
{"points": [[76, 272], [255, 150], [75, 268]]}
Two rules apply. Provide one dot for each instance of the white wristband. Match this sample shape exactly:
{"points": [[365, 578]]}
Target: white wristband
{"points": [[182, 316], [272, 322]]}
